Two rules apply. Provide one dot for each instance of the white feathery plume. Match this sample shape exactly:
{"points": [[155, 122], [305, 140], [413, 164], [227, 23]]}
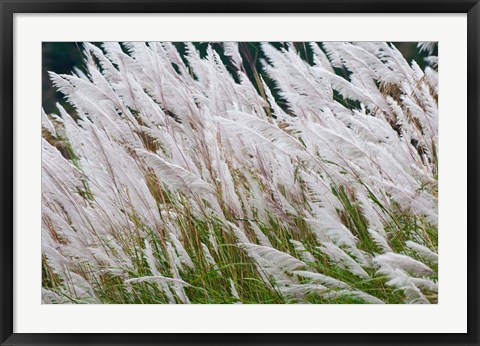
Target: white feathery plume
{"points": [[422, 251], [341, 258], [175, 175]]}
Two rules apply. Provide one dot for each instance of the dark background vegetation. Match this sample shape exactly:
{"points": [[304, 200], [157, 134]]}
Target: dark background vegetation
{"points": [[62, 57]]}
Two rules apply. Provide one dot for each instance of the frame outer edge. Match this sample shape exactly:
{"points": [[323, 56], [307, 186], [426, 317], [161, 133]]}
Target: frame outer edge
{"points": [[473, 153], [6, 172], [473, 131], [7, 8]]}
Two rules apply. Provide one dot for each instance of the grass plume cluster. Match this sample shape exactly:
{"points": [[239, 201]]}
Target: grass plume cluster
{"points": [[190, 175]]}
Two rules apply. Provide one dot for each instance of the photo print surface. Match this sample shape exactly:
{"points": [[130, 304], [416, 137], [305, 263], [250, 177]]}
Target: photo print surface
{"points": [[240, 173]]}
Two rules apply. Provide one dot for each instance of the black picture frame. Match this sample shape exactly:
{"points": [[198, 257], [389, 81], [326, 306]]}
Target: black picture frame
{"points": [[9, 7]]}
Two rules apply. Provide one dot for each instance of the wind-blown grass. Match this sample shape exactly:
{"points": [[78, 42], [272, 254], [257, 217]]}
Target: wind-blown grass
{"points": [[199, 178]]}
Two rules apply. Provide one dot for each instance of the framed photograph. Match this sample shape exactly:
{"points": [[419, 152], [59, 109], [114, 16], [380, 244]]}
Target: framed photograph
{"points": [[239, 172]]}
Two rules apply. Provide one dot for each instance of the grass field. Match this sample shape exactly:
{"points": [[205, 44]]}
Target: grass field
{"points": [[254, 173]]}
